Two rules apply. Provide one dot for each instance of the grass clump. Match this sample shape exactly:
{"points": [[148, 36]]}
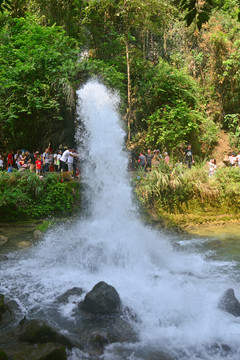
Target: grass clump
{"points": [[177, 190]]}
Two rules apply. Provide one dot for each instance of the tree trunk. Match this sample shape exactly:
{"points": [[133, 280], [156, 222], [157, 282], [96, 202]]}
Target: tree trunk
{"points": [[128, 89]]}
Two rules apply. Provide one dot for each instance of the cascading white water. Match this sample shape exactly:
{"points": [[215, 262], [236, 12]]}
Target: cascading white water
{"points": [[174, 294]]}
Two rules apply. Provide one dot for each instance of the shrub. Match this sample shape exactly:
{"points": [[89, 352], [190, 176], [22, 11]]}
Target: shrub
{"points": [[26, 195]]}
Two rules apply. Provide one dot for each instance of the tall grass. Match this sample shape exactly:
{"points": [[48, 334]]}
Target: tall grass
{"points": [[175, 186]]}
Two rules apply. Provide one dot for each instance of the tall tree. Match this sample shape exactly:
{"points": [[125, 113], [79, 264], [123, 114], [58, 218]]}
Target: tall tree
{"points": [[127, 21]]}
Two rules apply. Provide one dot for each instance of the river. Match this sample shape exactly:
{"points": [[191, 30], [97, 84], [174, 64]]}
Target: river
{"points": [[173, 290]]}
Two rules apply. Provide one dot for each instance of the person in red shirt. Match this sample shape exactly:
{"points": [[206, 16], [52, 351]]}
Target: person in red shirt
{"points": [[38, 166], [10, 159]]}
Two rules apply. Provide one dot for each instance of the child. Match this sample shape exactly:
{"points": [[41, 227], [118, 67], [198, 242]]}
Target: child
{"points": [[212, 167], [38, 166]]}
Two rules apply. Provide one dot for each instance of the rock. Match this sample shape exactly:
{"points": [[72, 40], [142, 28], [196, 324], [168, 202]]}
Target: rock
{"points": [[221, 350], [98, 332], [123, 351], [75, 291], [229, 303], [103, 299], [7, 310], [37, 234], [38, 332], [42, 352], [3, 240], [23, 244], [3, 257], [2, 303]]}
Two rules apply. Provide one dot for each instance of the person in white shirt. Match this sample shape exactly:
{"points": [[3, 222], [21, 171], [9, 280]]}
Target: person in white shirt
{"points": [[65, 157], [238, 159], [232, 160], [1, 163]]}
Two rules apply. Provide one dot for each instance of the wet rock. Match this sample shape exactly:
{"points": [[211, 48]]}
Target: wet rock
{"points": [[38, 332], [3, 240], [124, 351], [103, 299], [37, 234], [3, 257], [96, 333], [23, 244], [75, 291], [229, 303], [221, 350], [42, 352], [8, 310], [129, 314], [2, 303]]}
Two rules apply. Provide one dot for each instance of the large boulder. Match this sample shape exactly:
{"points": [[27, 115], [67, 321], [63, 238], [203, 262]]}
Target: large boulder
{"points": [[38, 332], [98, 332], [103, 299], [229, 303]]}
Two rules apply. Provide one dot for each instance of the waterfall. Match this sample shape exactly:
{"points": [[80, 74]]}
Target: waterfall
{"points": [[174, 294]]}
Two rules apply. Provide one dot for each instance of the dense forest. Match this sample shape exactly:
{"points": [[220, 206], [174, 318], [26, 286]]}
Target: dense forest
{"points": [[175, 64]]}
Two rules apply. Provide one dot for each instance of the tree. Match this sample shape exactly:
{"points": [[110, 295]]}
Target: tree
{"points": [[36, 67], [127, 20]]}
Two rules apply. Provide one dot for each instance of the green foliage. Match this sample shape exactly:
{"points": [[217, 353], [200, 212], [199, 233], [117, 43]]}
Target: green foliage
{"points": [[173, 189], [36, 63], [107, 72], [209, 134], [25, 195], [196, 11], [232, 123], [169, 100], [172, 126]]}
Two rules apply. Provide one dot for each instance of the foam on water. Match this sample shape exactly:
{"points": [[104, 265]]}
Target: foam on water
{"points": [[174, 294]]}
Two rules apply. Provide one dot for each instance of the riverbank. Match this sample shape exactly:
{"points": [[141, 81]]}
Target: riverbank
{"points": [[188, 200]]}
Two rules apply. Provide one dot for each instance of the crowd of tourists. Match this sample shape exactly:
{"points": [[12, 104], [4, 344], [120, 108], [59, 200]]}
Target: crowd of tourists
{"points": [[60, 161], [153, 159]]}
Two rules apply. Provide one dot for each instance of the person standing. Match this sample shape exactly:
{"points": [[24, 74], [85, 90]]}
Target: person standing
{"points": [[238, 158], [38, 165], [32, 162], [70, 161], [55, 161], [189, 156], [212, 167], [1, 163], [232, 159], [166, 158], [148, 157], [9, 159], [142, 161], [46, 158], [64, 158]]}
